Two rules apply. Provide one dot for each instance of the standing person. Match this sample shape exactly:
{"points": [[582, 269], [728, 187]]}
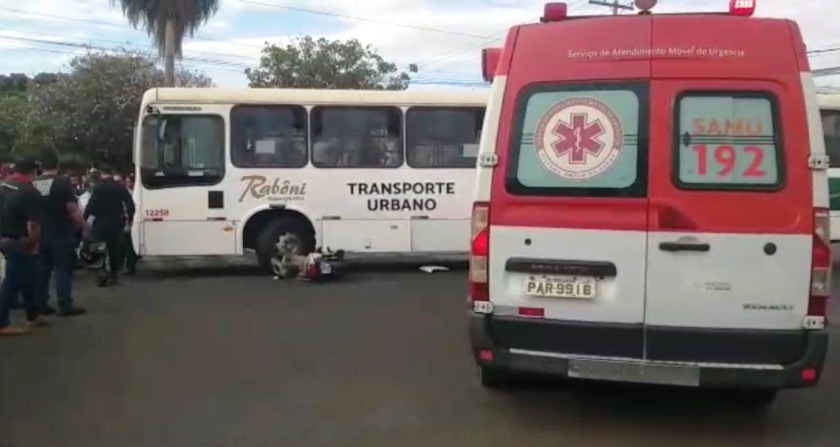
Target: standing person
{"points": [[112, 208], [57, 255], [129, 255], [84, 198], [76, 182], [5, 172], [20, 233]]}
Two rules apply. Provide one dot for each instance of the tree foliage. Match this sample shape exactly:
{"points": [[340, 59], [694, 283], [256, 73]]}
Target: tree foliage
{"points": [[87, 114], [14, 111], [184, 17], [13, 83], [322, 63]]}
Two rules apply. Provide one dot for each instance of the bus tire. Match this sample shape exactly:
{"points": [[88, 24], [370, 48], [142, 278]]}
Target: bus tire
{"points": [[271, 233]]}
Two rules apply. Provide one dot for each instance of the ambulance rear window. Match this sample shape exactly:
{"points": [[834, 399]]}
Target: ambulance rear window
{"points": [[727, 141], [580, 140]]}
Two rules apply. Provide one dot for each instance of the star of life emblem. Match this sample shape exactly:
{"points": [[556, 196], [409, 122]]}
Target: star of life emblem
{"points": [[579, 138]]}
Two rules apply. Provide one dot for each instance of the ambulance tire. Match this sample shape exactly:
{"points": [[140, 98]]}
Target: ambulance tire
{"points": [[270, 234], [494, 379]]}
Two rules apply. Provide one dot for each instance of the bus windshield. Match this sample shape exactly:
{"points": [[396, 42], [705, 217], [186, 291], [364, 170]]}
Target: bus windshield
{"points": [[182, 150]]}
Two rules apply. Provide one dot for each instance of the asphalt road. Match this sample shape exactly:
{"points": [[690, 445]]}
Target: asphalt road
{"points": [[227, 358]]}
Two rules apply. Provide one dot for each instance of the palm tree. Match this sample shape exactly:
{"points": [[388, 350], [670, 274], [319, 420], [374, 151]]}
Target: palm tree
{"points": [[168, 22]]}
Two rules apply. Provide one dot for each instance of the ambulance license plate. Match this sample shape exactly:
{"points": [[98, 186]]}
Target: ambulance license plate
{"points": [[560, 287]]}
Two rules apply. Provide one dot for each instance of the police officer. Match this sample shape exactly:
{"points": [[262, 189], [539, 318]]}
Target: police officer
{"points": [[112, 208], [20, 233], [62, 218]]}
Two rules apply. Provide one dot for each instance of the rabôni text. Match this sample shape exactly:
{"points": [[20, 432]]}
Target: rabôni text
{"points": [[402, 196]]}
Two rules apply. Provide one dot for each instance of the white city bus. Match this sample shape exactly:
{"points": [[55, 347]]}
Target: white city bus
{"points": [[226, 171], [830, 111]]}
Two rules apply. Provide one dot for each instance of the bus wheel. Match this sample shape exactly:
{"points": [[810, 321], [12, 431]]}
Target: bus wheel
{"points": [[294, 233]]}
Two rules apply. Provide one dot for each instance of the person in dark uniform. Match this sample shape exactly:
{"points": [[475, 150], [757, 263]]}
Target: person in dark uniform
{"points": [[62, 218], [112, 208], [129, 256], [20, 233]]}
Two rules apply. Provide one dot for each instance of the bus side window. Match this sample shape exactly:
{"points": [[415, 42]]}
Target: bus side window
{"points": [[269, 136], [443, 137], [356, 137], [831, 129]]}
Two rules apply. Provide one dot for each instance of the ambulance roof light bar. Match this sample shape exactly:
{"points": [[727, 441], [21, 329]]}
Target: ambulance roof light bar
{"points": [[554, 12], [742, 8]]}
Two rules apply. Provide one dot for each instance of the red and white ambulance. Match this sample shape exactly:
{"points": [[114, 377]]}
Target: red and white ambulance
{"points": [[651, 203]]}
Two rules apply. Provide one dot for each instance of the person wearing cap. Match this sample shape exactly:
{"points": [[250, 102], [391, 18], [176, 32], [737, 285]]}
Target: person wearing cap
{"points": [[112, 208], [20, 234], [57, 255]]}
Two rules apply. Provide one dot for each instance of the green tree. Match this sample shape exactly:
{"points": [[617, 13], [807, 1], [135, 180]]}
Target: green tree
{"points": [[14, 109], [15, 138], [322, 63], [88, 114], [14, 82], [168, 22]]}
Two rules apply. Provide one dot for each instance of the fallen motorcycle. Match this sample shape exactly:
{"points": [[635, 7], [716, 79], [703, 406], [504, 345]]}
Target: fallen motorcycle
{"points": [[320, 265]]}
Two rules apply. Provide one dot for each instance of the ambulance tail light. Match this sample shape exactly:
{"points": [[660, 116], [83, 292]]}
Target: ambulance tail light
{"points": [[820, 265], [554, 12], [479, 252], [742, 8]]}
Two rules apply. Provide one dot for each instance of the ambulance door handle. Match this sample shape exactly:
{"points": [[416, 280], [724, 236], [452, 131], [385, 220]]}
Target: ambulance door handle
{"points": [[684, 246]]}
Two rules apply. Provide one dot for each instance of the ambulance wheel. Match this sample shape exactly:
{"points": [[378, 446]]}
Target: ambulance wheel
{"points": [[492, 378], [299, 231]]}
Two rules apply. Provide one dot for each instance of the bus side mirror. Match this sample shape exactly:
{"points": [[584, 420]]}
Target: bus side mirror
{"points": [[160, 129], [134, 145], [147, 141], [489, 62]]}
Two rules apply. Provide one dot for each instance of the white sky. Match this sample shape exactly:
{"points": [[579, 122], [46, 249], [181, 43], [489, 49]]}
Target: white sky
{"points": [[233, 39]]}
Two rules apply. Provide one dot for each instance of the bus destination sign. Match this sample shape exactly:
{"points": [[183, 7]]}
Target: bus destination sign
{"points": [[402, 196]]}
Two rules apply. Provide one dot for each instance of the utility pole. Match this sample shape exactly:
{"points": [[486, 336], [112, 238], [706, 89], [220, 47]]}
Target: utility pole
{"points": [[615, 5]]}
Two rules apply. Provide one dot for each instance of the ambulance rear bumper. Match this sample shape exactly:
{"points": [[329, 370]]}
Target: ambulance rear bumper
{"points": [[633, 353]]}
